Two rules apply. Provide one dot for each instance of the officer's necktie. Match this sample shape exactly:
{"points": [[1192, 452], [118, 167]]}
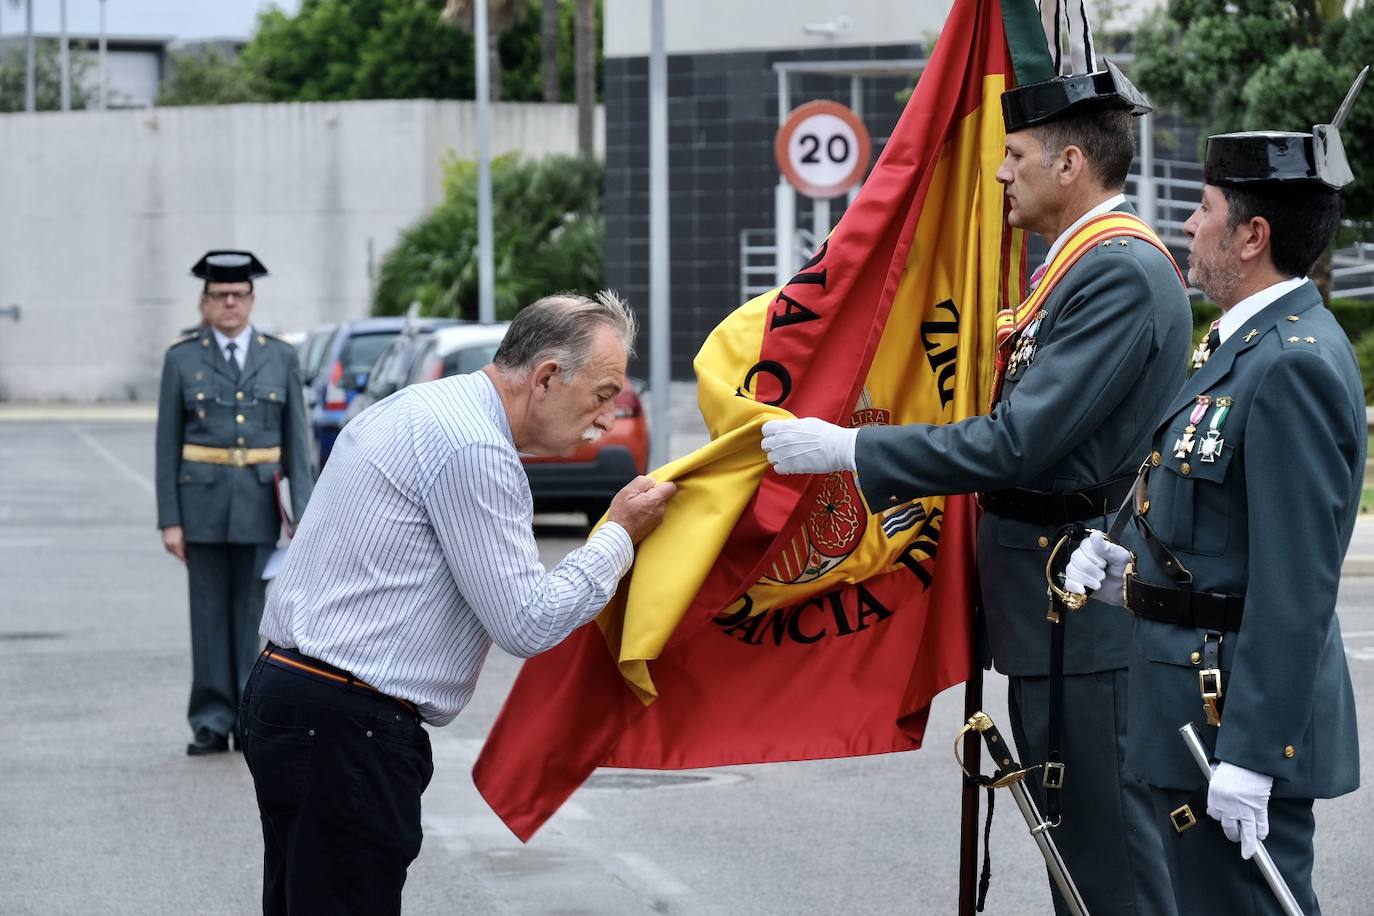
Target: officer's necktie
{"points": [[229, 358]]}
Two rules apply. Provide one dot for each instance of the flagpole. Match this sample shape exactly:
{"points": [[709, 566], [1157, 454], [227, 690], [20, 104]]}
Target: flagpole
{"points": [[968, 820]]}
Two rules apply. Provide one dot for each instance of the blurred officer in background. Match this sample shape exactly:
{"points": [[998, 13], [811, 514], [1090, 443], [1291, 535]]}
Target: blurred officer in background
{"points": [[231, 421]]}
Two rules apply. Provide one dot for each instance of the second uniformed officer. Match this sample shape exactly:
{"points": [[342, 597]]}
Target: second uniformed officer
{"points": [[1253, 487], [1094, 350], [231, 416]]}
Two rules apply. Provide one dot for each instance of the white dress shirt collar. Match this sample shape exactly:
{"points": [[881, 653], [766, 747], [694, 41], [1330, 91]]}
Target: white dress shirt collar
{"points": [[241, 341], [1237, 315], [1111, 203]]}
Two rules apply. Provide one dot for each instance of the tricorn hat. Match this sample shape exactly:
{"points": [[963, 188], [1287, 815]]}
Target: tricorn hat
{"points": [[1256, 157], [228, 267], [1062, 96]]}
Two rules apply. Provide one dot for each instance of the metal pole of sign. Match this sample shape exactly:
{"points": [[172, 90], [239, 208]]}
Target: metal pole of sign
{"points": [[28, 56], [64, 56], [104, 63], [856, 104], [784, 203], [820, 219], [659, 290], [486, 262]]}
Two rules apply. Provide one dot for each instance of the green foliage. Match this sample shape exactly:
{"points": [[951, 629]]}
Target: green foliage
{"points": [[382, 49], [548, 225], [1265, 64], [1364, 353], [47, 77], [210, 78]]}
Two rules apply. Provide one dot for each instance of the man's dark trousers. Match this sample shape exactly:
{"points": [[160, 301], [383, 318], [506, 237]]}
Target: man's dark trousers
{"points": [[227, 595], [338, 771]]}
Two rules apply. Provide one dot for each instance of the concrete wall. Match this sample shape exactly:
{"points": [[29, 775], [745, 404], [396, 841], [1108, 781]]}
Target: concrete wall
{"points": [[715, 26], [103, 213]]}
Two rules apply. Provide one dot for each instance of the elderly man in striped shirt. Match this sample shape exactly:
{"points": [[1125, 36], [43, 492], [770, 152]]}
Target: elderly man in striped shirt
{"points": [[417, 553]]}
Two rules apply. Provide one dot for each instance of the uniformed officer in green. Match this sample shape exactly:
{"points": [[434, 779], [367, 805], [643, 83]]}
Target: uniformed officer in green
{"points": [[1102, 343], [1235, 544], [231, 417]]}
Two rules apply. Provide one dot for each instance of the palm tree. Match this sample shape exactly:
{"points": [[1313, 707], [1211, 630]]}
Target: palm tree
{"points": [[549, 38], [584, 65], [501, 15]]}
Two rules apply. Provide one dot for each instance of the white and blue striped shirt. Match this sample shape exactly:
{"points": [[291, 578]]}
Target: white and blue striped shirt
{"points": [[417, 552]]}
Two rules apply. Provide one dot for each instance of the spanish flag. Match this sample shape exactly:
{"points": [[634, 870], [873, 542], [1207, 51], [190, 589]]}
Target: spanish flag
{"points": [[781, 618]]}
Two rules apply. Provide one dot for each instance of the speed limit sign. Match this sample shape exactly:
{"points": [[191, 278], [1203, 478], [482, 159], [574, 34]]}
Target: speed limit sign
{"points": [[822, 149]]}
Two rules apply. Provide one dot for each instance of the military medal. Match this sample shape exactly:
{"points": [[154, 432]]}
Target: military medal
{"points": [[1211, 446], [1023, 354], [1201, 353], [1184, 446]]}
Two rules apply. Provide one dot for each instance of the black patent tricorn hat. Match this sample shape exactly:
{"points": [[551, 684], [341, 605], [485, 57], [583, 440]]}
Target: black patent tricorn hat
{"points": [[1257, 157], [228, 267], [1062, 96]]}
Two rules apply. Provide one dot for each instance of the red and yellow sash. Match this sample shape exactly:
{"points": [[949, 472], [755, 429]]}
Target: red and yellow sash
{"points": [[1097, 231]]}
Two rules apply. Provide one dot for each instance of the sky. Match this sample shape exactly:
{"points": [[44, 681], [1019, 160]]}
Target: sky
{"points": [[177, 18]]}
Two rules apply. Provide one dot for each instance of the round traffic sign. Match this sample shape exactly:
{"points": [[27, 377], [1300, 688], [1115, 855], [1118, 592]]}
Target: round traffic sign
{"points": [[823, 149]]}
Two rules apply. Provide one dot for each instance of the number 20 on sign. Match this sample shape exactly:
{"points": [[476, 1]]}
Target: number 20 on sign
{"points": [[823, 149]]}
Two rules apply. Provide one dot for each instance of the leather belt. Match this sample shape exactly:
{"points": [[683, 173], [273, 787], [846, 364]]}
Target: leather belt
{"points": [[1184, 607], [1051, 508], [238, 457], [292, 660]]}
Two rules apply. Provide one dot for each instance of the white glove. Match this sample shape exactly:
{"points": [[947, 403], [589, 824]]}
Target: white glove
{"points": [[809, 446], [1100, 565], [1239, 798]]}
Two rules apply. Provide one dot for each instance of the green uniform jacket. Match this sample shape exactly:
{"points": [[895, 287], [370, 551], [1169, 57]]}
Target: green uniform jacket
{"points": [[1111, 350], [1271, 517], [202, 404]]}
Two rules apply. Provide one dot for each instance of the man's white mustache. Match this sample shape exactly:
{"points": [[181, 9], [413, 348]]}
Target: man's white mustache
{"points": [[591, 434]]}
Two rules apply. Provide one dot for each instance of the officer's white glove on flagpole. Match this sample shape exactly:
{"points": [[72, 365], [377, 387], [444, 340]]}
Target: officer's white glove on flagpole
{"points": [[809, 446], [1239, 798], [1100, 565]]}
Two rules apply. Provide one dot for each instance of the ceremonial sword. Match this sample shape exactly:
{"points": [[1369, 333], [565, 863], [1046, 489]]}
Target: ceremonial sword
{"points": [[1287, 902], [1010, 775]]}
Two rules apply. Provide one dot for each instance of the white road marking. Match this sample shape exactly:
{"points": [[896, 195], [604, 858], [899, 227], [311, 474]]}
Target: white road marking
{"points": [[1360, 655], [1358, 634], [656, 878], [113, 460]]}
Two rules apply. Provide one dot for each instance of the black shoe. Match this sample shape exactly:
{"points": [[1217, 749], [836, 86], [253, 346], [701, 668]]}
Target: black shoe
{"points": [[207, 742]]}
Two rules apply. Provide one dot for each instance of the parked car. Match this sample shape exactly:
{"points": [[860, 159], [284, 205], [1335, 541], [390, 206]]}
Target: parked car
{"points": [[584, 481], [348, 356], [314, 350], [391, 372]]}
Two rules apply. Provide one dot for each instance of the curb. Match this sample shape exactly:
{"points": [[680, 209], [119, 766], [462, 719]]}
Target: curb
{"points": [[135, 412]]}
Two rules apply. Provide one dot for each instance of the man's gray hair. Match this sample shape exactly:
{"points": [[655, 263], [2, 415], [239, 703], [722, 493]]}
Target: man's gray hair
{"points": [[560, 328]]}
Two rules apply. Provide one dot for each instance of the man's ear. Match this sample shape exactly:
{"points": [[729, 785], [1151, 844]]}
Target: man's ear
{"points": [[1254, 238], [542, 378], [1069, 165]]}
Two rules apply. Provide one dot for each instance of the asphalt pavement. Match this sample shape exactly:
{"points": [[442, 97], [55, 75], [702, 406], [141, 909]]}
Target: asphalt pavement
{"points": [[104, 814]]}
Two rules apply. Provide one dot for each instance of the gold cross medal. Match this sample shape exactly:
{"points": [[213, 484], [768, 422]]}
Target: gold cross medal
{"points": [[1184, 446], [1211, 446]]}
